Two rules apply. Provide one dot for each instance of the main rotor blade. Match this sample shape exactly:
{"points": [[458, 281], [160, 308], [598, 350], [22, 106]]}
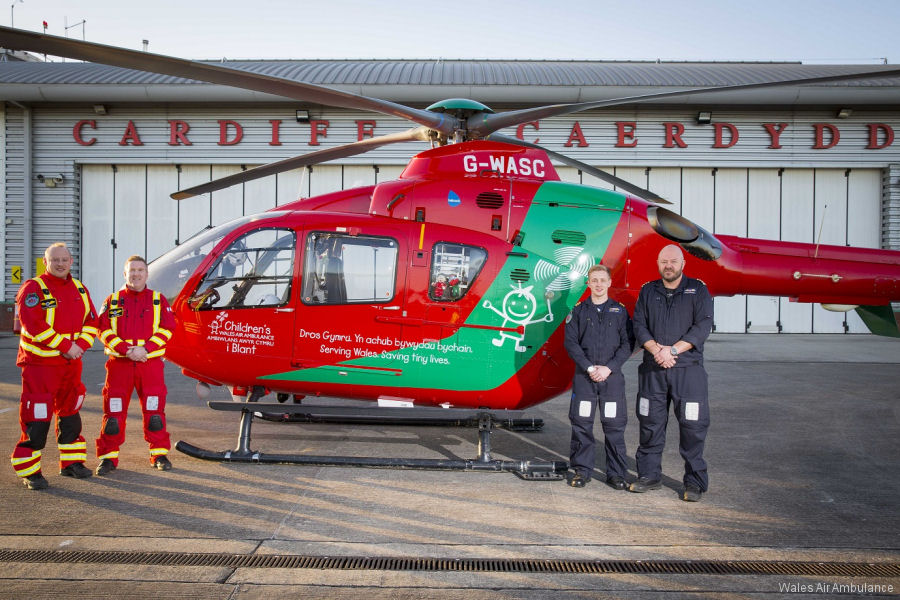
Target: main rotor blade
{"points": [[481, 125], [586, 168], [18, 39], [313, 158]]}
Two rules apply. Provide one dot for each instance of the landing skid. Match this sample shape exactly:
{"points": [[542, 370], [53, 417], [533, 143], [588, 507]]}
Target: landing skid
{"points": [[525, 469]]}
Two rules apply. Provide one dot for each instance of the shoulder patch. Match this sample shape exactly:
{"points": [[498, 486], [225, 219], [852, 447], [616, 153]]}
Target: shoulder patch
{"points": [[568, 317], [116, 312], [31, 300]]}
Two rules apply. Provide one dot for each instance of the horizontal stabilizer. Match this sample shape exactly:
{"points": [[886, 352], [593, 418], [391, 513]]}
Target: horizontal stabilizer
{"points": [[880, 320]]}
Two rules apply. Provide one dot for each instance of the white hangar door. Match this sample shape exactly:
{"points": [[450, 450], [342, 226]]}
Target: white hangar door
{"points": [[832, 206], [126, 209]]}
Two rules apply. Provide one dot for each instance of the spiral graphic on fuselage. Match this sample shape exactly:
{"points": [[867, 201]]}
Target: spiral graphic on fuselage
{"points": [[568, 269]]}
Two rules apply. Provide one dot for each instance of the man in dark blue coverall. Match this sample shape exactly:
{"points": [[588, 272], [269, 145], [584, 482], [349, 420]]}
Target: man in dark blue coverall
{"points": [[672, 318], [599, 339]]}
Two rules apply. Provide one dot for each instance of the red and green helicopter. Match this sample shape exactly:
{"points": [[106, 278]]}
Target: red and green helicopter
{"points": [[448, 287]]}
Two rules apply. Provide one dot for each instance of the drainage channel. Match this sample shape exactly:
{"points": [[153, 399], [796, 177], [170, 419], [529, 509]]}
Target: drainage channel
{"points": [[405, 563]]}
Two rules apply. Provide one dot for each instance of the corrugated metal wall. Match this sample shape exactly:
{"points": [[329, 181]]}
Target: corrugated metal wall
{"points": [[3, 188], [890, 212]]}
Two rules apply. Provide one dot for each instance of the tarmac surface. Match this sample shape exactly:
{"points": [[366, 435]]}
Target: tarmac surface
{"points": [[804, 471]]}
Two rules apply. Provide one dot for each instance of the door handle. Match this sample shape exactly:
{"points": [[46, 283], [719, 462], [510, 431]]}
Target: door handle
{"points": [[284, 310], [390, 308]]}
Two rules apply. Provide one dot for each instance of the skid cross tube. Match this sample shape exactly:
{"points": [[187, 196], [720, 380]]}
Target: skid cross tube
{"points": [[526, 469]]}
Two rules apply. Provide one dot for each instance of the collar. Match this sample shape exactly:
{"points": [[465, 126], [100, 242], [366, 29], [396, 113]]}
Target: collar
{"points": [[130, 292], [662, 289], [52, 281]]}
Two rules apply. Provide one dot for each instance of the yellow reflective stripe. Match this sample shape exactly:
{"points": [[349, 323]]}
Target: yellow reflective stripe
{"points": [[90, 330], [84, 297], [114, 454], [30, 470], [36, 350], [73, 446], [56, 341], [73, 456], [157, 330], [110, 337], [158, 451], [157, 308], [44, 335], [51, 312], [114, 301], [88, 338], [24, 459], [76, 451], [104, 337]]}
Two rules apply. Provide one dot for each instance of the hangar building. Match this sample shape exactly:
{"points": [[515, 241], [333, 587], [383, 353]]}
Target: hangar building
{"points": [[90, 153]]}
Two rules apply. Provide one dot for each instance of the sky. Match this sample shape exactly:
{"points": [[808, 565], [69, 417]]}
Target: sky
{"points": [[811, 31]]}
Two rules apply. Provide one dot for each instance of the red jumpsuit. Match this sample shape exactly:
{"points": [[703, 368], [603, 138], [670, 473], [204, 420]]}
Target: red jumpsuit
{"points": [[129, 318], [55, 314]]}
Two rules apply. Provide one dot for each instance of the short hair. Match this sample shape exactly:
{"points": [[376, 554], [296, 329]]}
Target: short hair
{"points": [[56, 245], [135, 257], [596, 268]]}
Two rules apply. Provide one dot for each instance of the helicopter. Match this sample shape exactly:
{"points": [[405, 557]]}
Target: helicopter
{"points": [[447, 288]]}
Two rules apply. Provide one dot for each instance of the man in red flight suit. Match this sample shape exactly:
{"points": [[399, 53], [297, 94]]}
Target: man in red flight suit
{"points": [[135, 325], [58, 324]]}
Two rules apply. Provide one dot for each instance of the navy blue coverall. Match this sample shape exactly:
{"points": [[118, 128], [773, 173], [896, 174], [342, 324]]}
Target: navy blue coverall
{"points": [[598, 335], [668, 316]]}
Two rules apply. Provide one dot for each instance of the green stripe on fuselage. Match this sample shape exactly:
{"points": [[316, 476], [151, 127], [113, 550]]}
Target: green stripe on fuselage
{"points": [[536, 291]]}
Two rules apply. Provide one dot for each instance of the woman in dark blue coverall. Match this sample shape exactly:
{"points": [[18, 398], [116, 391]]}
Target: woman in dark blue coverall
{"points": [[599, 339]]}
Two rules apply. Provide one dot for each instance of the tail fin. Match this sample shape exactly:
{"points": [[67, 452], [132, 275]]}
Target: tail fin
{"points": [[880, 320]]}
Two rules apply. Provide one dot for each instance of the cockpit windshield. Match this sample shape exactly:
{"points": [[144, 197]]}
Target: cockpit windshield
{"points": [[170, 272]]}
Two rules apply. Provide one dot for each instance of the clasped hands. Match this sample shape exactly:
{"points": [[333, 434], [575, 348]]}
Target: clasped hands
{"points": [[136, 353], [664, 358], [599, 373]]}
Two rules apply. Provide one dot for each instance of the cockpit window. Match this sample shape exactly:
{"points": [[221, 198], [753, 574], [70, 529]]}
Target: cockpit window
{"points": [[347, 269], [256, 270], [454, 268], [169, 272]]}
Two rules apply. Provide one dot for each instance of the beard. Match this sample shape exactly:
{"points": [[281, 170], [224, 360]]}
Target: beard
{"points": [[670, 275]]}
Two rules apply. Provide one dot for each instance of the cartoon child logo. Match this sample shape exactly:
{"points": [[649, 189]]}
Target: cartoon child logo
{"points": [[519, 308], [217, 322]]}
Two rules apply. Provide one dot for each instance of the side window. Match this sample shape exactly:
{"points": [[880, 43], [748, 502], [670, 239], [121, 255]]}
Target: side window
{"points": [[454, 268], [345, 269], [255, 270]]}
